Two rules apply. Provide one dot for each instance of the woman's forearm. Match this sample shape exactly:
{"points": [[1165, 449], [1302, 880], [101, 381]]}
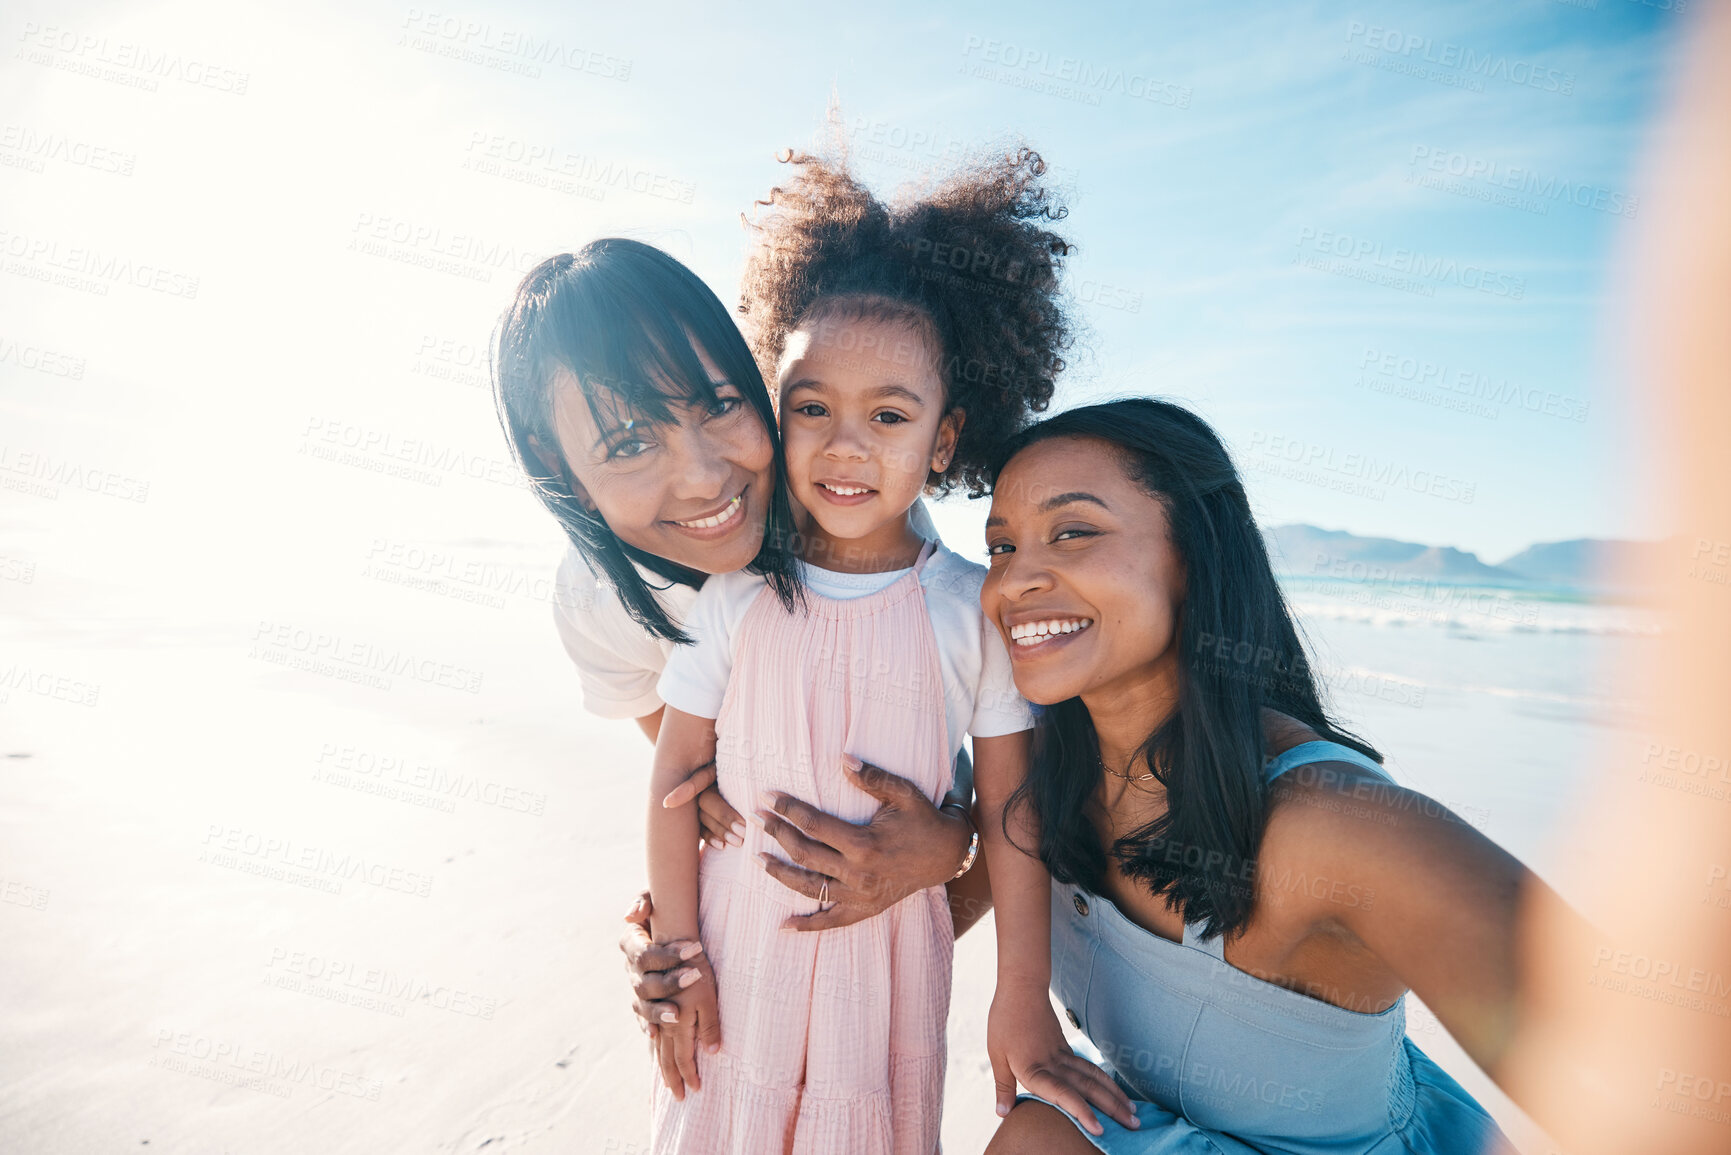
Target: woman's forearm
{"points": [[1024, 916]]}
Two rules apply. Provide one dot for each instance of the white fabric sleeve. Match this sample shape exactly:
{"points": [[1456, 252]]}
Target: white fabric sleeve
{"points": [[695, 679], [617, 662], [920, 521], [998, 708]]}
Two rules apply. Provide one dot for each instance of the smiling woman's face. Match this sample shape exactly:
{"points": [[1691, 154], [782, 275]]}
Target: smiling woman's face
{"points": [[1085, 585], [695, 489]]}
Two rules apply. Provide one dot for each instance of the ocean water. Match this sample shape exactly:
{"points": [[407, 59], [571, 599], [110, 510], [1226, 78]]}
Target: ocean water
{"points": [[1468, 608], [1497, 701]]}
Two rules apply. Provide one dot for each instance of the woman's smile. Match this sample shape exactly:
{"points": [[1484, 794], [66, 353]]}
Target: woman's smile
{"points": [[1033, 637], [713, 526]]}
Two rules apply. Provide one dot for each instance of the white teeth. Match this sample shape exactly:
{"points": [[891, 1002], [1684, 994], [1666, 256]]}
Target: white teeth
{"points": [[1033, 633], [721, 518], [844, 490]]}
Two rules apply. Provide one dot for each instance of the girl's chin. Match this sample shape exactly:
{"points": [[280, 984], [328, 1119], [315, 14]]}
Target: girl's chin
{"points": [[845, 524]]}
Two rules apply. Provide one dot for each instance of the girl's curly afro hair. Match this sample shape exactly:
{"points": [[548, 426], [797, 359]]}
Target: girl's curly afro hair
{"points": [[972, 264]]}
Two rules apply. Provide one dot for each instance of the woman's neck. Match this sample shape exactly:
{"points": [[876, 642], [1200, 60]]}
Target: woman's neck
{"points": [[893, 545], [1128, 709]]}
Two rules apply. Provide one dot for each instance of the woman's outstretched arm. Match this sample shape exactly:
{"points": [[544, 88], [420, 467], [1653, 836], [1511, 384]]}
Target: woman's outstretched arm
{"points": [[1424, 891]]}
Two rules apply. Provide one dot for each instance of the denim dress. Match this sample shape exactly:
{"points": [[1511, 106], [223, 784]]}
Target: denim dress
{"points": [[1217, 1061]]}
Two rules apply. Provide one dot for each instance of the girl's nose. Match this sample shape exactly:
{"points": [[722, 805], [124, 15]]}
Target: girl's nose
{"points": [[846, 444]]}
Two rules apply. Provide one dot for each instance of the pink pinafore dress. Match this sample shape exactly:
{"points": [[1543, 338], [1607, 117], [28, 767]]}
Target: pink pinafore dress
{"points": [[832, 1040]]}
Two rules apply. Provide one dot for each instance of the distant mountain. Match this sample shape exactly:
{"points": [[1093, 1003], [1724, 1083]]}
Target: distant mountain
{"points": [[1306, 551], [1585, 561]]}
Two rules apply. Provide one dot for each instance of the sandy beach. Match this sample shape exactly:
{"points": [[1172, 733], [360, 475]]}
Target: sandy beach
{"points": [[351, 880]]}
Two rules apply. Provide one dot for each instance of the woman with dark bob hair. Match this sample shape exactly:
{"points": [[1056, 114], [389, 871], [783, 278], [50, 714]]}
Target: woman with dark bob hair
{"points": [[1222, 887], [644, 422], [636, 408]]}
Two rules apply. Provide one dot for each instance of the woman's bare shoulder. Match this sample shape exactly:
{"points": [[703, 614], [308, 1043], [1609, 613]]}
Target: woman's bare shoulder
{"points": [[1281, 732]]}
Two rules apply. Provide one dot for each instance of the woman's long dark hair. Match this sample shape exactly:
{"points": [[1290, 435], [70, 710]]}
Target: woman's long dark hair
{"points": [[1238, 653], [625, 318]]}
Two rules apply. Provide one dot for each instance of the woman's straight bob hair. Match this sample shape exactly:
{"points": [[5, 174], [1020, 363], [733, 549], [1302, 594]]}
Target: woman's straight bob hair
{"points": [[626, 320]]}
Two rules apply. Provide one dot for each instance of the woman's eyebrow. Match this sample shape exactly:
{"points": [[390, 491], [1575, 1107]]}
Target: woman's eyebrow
{"points": [[610, 432], [613, 431], [1052, 503]]}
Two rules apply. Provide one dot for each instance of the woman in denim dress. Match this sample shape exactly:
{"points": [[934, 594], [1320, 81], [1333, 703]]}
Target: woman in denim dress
{"points": [[1227, 895]]}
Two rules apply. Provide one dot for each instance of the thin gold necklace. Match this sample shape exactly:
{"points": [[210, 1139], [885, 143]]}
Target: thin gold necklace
{"points": [[1119, 774]]}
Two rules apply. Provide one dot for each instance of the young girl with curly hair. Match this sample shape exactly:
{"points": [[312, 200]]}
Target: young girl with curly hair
{"points": [[905, 344]]}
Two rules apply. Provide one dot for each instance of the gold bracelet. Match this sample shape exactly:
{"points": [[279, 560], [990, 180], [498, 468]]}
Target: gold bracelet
{"points": [[973, 853], [973, 841]]}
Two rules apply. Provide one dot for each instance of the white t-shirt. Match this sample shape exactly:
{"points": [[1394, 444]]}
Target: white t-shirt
{"points": [[979, 693], [618, 663]]}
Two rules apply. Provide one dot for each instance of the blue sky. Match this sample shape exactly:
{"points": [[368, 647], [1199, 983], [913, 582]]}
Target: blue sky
{"points": [[1194, 216], [1377, 245]]}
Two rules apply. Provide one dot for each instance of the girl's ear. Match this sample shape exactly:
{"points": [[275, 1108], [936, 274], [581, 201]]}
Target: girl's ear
{"points": [[542, 459], [949, 432]]}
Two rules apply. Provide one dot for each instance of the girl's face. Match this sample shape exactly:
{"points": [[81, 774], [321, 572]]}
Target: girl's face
{"points": [[863, 422], [1085, 585], [694, 490]]}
